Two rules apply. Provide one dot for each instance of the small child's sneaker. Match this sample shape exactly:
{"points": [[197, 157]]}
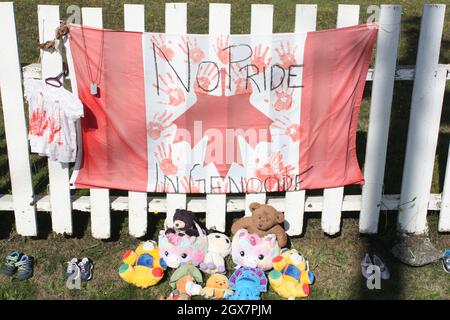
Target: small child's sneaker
{"points": [[385, 274], [9, 264], [446, 260], [365, 264], [86, 267], [72, 268], [25, 267]]}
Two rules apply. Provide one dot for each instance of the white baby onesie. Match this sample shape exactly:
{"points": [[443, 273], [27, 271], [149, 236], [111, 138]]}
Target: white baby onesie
{"points": [[52, 120]]}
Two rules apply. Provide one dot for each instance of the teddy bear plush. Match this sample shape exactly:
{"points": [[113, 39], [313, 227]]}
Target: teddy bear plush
{"points": [[219, 246], [184, 223], [264, 220], [142, 267]]}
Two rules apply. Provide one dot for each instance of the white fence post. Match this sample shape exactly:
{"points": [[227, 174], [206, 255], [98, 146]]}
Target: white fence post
{"points": [[348, 15], [305, 21], [380, 113], [429, 87], [15, 127], [59, 187], [216, 204], [100, 204], [134, 16], [426, 106], [261, 23], [176, 23]]}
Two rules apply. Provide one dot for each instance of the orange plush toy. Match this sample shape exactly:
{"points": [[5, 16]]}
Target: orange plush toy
{"points": [[217, 287]]}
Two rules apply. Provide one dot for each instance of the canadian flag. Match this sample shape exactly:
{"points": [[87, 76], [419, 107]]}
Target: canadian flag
{"points": [[219, 113]]}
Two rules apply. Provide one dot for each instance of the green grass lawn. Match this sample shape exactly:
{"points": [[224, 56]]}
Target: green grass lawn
{"points": [[335, 261]]}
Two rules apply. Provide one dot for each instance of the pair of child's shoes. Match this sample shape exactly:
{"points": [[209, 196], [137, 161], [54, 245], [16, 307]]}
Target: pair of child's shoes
{"points": [[82, 269], [377, 262], [18, 263]]}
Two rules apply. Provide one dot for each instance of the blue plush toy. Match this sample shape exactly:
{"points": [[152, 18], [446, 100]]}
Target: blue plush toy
{"points": [[247, 284]]}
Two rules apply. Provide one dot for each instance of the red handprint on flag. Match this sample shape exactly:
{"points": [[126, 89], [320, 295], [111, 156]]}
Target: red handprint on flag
{"points": [[207, 79], [271, 171], [164, 158], [165, 51], [175, 95], [292, 130], [242, 84], [222, 49], [253, 185], [286, 54], [195, 53], [190, 185], [259, 58], [158, 124], [284, 100]]}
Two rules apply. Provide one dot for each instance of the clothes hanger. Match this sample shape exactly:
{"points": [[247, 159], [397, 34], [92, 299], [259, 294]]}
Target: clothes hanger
{"points": [[56, 81]]}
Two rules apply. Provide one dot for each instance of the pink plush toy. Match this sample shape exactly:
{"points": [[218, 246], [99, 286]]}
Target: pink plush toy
{"points": [[253, 251], [177, 250]]}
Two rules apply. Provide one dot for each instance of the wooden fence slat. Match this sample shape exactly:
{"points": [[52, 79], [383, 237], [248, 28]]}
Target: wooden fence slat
{"points": [[332, 208], [216, 204], [305, 21], [423, 130], [351, 203], [426, 106], [444, 215], [347, 15], [15, 126], [134, 18], [176, 23], [261, 23], [100, 205], [59, 186], [380, 113]]}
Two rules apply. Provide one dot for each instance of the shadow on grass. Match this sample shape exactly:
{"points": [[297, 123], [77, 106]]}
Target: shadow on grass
{"points": [[44, 225], [443, 148], [6, 227], [80, 223], [381, 244], [155, 222]]}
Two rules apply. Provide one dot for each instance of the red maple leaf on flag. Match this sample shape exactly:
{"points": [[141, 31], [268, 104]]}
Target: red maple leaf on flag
{"points": [[229, 117]]}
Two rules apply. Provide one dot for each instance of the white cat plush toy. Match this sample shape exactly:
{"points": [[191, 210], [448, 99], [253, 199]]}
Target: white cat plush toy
{"points": [[219, 246]]}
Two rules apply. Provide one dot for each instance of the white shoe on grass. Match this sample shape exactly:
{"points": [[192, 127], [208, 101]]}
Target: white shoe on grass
{"points": [[72, 268], [365, 264], [384, 271]]}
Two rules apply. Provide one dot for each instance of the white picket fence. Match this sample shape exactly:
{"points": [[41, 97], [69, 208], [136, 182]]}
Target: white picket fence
{"points": [[413, 204]]}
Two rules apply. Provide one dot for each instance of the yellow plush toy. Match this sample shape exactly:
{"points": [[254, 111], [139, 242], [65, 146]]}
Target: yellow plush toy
{"points": [[217, 287], [290, 277], [142, 267]]}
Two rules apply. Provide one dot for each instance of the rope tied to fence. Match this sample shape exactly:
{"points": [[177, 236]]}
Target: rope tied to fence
{"points": [[60, 32]]}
